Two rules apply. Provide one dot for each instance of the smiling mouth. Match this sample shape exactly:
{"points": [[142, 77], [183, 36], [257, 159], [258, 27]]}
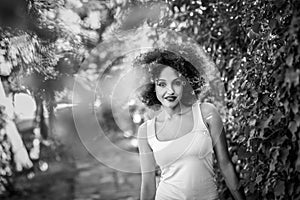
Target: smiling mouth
{"points": [[171, 98]]}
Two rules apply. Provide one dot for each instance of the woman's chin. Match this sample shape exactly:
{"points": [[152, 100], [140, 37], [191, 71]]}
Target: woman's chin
{"points": [[170, 104]]}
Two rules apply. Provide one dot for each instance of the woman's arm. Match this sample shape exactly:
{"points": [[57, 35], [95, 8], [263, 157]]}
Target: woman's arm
{"points": [[215, 125], [148, 186]]}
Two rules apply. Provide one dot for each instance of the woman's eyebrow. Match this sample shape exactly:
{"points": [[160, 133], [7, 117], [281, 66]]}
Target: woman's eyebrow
{"points": [[177, 79], [161, 79]]}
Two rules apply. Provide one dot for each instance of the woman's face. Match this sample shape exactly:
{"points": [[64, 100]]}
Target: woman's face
{"points": [[169, 88]]}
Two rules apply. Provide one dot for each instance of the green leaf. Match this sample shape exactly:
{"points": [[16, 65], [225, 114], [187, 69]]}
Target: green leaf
{"points": [[289, 60], [275, 153], [272, 166], [273, 23], [252, 122], [292, 127], [298, 163], [279, 188], [258, 179], [266, 99], [291, 188], [284, 153], [292, 76], [295, 107], [256, 27], [297, 118], [286, 106], [252, 187], [254, 93], [243, 153], [281, 140], [265, 123], [277, 117], [235, 158]]}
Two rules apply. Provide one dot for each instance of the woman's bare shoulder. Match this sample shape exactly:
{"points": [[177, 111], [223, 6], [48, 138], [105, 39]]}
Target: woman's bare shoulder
{"points": [[142, 138], [208, 110], [142, 131]]}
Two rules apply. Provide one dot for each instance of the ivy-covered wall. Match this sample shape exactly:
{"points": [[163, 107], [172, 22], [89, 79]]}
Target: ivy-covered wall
{"points": [[255, 45]]}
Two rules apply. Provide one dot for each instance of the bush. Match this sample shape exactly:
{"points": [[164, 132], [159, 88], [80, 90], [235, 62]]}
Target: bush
{"points": [[255, 45], [6, 169]]}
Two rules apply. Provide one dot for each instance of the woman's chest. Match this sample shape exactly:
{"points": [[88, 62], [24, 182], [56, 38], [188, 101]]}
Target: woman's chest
{"points": [[167, 130], [196, 144]]}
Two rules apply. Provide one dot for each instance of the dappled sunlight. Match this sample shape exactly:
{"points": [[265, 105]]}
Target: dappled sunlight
{"points": [[24, 112], [72, 82]]}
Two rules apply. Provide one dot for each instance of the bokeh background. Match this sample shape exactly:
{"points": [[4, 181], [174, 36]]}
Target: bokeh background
{"points": [[64, 65]]}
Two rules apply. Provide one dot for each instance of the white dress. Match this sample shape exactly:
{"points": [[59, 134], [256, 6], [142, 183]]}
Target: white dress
{"points": [[186, 163]]}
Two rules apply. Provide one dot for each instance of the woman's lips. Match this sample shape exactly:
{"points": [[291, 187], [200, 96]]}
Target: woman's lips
{"points": [[170, 98]]}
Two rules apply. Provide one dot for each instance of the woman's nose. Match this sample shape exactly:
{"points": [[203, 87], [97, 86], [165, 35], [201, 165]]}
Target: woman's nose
{"points": [[170, 89]]}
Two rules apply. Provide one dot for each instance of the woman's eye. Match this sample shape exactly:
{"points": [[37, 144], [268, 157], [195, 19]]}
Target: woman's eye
{"points": [[161, 84], [178, 82]]}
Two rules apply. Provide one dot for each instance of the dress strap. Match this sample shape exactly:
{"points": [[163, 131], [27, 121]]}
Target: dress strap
{"points": [[150, 132], [199, 117]]}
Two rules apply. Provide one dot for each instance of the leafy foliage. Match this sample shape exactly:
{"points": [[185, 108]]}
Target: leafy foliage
{"points": [[255, 45], [41, 52], [6, 168], [54, 37]]}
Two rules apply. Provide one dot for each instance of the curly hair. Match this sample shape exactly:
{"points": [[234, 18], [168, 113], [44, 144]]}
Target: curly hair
{"points": [[154, 62]]}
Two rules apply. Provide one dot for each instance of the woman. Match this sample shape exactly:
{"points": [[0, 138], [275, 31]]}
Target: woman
{"points": [[181, 139]]}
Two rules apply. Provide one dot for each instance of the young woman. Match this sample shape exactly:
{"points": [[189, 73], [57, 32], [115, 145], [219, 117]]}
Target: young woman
{"points": [[181, 139]]}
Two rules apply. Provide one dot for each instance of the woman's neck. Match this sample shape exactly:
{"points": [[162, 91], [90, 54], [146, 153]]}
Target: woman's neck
{"points": [[177, 110]]}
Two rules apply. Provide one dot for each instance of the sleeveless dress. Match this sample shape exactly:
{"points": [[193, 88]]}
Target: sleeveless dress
{"points": [[186, 162]]}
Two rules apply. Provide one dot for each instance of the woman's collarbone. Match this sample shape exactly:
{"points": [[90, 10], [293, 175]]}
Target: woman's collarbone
{"points": [[173, 129]]}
